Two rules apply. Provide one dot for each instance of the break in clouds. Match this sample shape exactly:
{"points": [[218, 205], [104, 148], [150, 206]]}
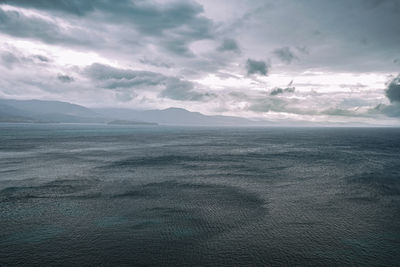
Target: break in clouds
{"points": [[274, 60]]}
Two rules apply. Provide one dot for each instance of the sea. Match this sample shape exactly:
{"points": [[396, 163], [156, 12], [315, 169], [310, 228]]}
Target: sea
{"points": [[102, 195]]}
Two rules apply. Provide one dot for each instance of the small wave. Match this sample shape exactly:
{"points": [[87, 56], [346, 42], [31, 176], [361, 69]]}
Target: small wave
{"points": [[53, 189]]}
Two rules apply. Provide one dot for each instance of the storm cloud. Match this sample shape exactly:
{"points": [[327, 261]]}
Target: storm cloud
{"points": [[393, 90], [393, 94], [256, 67]]}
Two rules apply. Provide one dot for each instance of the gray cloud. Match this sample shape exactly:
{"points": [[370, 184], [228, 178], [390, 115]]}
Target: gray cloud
{"points": [[15, 23], [176, 24], [118, 79], [183, 90], [278, 91], [76, 7], [113, 78], [148, 16], [393, 94], [341, 26], [393, 90], [12, 57], [65, 78], [285, 54], [177, 46], [99, 71], [392, 110], [229, 45], [255, 66]]}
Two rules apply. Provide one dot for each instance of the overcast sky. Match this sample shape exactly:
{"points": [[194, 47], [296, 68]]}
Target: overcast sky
{"points": [[314, 60]]}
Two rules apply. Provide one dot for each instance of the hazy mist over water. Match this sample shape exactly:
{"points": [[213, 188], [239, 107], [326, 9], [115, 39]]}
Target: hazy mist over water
{"points": [[114, 195]]}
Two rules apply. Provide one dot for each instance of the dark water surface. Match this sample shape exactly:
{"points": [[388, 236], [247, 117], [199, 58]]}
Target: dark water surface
{"points": [[109, 195]]}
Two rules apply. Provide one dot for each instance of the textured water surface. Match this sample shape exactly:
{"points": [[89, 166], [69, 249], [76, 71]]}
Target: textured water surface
{"points": [[113, 195]]}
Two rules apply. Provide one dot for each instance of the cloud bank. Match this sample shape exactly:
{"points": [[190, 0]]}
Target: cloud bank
{"points": [[217, 57]]}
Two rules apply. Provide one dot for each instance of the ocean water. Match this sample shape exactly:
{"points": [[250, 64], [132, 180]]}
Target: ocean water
{"points": [[78, 195]]}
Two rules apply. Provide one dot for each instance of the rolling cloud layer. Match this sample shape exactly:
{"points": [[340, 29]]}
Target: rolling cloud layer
{"points": [[216, 57]]}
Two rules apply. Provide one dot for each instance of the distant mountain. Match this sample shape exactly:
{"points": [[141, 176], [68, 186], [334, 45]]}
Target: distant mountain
{"points": [[56, 111], [174, 116], [46, 111], [35, 111], [11, 114], [47, 107]]}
